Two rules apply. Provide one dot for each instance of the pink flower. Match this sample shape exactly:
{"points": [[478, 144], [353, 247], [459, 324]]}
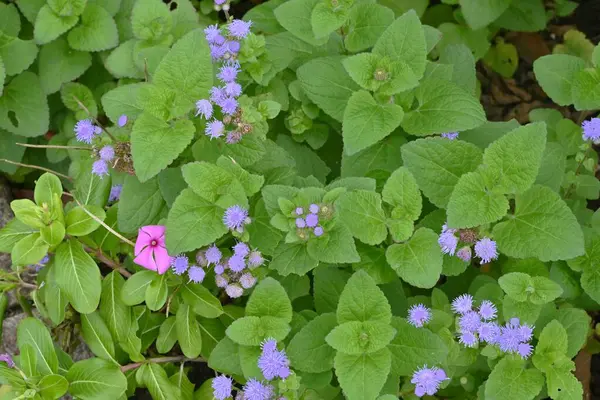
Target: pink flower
{"points": [[150, 250]]}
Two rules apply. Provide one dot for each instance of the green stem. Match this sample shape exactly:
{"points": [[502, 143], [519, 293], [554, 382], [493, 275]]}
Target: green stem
{"points": [[160, 360]]}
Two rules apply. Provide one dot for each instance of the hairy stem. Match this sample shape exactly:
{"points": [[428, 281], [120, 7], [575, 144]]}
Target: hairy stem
{"points": [[37, 167], [52, 146]]}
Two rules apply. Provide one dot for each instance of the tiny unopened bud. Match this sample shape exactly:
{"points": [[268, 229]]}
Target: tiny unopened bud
{"points": [[246, 128], [464, 254], [226, 7], [201, 259], [468, 235], [380, 75], [227, 119]]}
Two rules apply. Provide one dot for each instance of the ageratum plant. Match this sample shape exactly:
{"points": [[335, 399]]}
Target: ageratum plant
{"points": [[304, 201]]}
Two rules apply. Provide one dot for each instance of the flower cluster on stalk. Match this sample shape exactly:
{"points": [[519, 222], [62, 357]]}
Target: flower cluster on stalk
{"points": [[427, 381], [273, 364], [449, 239], [225, 45], [234, 273], [310, 220], [478, 325], [180, 265], [86, 132]]}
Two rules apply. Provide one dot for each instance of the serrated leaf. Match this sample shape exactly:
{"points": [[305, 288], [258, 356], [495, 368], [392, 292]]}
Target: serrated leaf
{"points": [[122, 100], [252, 331], [139, 203], [155, 144], [78, 276], [404, 40], [510, 379], [437, 164], [362, 376], [73, 93], [24, 107], [418, 261], [58, 64], [295, 17], [327, 84], [443, 107], [585, 89], [542, 226], [362, 301], [480, 13], [402, 192], [335, 246], [291, 258], [150, 19], [577, 322], [48, 26], [17, 55], [357, 337], [193, 222], [308, 351], [96, 32], [120, 63], [552, 346], [366, 23], [556, 74], [366, 122], [269, 299], [325, 19], [362, 213], [214, 184]]}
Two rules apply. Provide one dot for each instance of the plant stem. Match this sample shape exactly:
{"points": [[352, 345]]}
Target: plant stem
{"points": [[52, 146], [104, 259], [37, 167], [160, 360], [108, 228]]}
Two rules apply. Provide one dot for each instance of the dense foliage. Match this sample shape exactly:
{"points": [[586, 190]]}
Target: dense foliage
{"points": [[308, 202]]}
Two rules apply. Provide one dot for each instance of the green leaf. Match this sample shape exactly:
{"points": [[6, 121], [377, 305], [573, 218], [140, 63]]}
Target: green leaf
{"points": [[59, 64], [113, 310], [72, 93], [157, 292], [96, 32], [96, 379], [29, 250], [335, 246], [551, 347], [80, 223], [438, 163], [97, 336], [89, 187], [362, 213], [226, 358], [123, 100], [24, 107], [362, 301], [556, 75], [155, 379], [327, 84], [517, 285], [476, 201], [17, 55], [269, 299], [78, 276], [366, 23], [167, 335], [325, 20], [515, 158], [418, 261], [480, 13], [443, 107], [461, 59], [329, 283], [27, 212], [188, 331], [552, 167], [402, 192], [372, 261], [67, 8], [150, 20], [214, 184], [10, 20], [291, 258], [134, 289], [252, 331], [139, 204], [413, 347], [201, 300], [366, 122], [524, 16], [155, 144], [32, 332], [53, 234], [562, 384], [48, 26], [511, 380], [585, 89], [576, 322], [362, 376], [46, 187], [12, 233], [295, 17], [357, 337], [193, 222], [308, 351], [251, 182], [543, 226], [186, 71], [53, 386], [121, 64], [404, 40]]}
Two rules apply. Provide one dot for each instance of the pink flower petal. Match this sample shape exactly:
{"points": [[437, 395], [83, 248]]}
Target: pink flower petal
{"points": [[162, 259], [155, 231], [145, 259]]}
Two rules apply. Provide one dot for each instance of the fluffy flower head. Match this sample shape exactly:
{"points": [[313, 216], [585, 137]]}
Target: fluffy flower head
{"points": [[179, 264], [448, 242], [486, 250], [214, 129], [115, 192], [239, 29], [196, 274], [204, 108], [427, 380], [213, 254], [419, 315], [591, 129], [273, 363], [222, 387], [462, 304], [487, 310], [107, 153], [85, 131], [235, 217]]}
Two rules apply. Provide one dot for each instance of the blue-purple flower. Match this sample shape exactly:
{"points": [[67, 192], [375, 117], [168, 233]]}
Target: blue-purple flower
{"points": [[255, 259], [228, 72], [312, 220], [236, 263], [107, 153], [487, 310], [122, 121], [214, 129], [419, 315], [448, 241], [514, 338], [100, 168], [241, 249], [234, 290], [468, 339], [318, 231], [222, 386], [239, 28], [85, 131], [469, 321], [115, 192], [591, 129], [5, 357], [179, 264], [255, 390], [464, 253], [486, 250], [450, 135], [235, 218], [196, 274], [489, 332], [247, 280], [427, 381], [462, 304], [204, 108], [273, 363]]}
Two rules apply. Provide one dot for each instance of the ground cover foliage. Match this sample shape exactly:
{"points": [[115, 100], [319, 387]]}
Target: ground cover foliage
{"points": [[306, 201]]}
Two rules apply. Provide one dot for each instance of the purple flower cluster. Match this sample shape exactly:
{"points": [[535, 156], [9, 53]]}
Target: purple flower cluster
{"points": [[101, 165], [419, 315], [450, 135], [272, 362], [514, 338], [591, 129], [224, 48], [427, 381], [222, 386], [180, 264], [485, 248], [233, 273], [235, 218], [86, 131], [41, 264], [255, 390], [310, 221]]}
